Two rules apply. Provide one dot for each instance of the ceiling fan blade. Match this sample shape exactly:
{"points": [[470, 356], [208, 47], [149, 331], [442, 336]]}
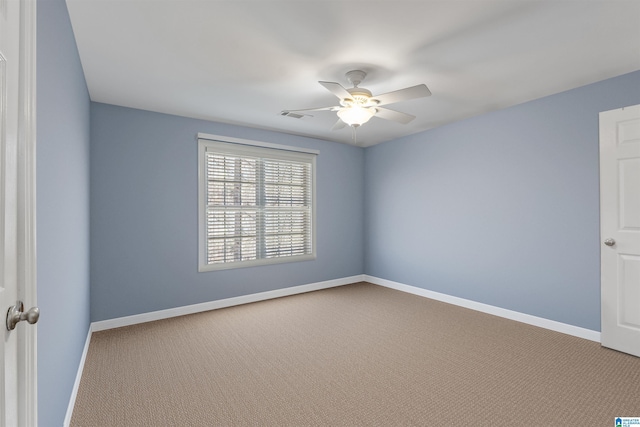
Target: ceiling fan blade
{"points": [[339, 125], [396, 116], [336, 89], [419, 91]]}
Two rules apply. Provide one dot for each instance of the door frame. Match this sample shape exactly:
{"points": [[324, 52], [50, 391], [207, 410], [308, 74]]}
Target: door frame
{"points": [[26, 238]]}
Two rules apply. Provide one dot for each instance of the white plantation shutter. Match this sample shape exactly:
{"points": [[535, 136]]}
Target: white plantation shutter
{"points": [[257, 204], [287, 208]]}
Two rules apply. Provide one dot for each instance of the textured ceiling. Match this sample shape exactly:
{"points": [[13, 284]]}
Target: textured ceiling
{"points": [[242, 62]]}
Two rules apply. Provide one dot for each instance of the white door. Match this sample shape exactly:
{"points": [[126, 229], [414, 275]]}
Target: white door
{"points": [[620, 228], [17, 237]]}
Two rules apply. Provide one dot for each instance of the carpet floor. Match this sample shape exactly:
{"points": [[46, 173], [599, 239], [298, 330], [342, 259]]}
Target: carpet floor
{"points": [[355, 355]]}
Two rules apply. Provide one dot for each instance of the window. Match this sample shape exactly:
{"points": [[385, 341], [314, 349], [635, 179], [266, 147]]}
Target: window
{"points": [[256, 202]]}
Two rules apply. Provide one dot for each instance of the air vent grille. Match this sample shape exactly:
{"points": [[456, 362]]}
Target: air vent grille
{"points": [[294, 115]]}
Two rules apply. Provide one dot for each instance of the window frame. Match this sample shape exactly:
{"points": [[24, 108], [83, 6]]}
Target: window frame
{"points": [[237, 146]]}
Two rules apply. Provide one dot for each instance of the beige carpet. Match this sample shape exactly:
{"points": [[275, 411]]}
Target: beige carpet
{"points": [[357, 355]]}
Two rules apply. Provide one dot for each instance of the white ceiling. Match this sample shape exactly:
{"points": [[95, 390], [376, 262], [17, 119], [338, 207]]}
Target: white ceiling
{"points": [[242, 62]]}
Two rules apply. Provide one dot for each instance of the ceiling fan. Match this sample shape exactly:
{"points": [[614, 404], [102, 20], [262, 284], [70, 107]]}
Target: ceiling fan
{"points": [[358, 105]]}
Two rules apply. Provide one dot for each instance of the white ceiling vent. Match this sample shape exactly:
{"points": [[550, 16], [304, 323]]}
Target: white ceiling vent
{"points": [[294, 115]]}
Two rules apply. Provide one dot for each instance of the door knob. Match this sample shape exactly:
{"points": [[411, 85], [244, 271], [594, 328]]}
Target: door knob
{"points": [[16, 314], [609, 242]]}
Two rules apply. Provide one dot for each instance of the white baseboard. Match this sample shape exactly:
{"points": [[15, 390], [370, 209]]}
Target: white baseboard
{"points": [[223, 303], [490, 309], [278, 293], [76, 384]]}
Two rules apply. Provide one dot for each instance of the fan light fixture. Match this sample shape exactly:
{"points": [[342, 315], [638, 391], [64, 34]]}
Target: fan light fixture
{"points": [[356, 115]]}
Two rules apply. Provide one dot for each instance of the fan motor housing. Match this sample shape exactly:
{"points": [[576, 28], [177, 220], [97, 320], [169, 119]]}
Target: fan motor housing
{"points": [[359, 96], [360, 92]]}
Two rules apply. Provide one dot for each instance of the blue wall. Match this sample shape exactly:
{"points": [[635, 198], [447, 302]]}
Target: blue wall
{"points": [[62, 210], [144, 215], [501, 209]]}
